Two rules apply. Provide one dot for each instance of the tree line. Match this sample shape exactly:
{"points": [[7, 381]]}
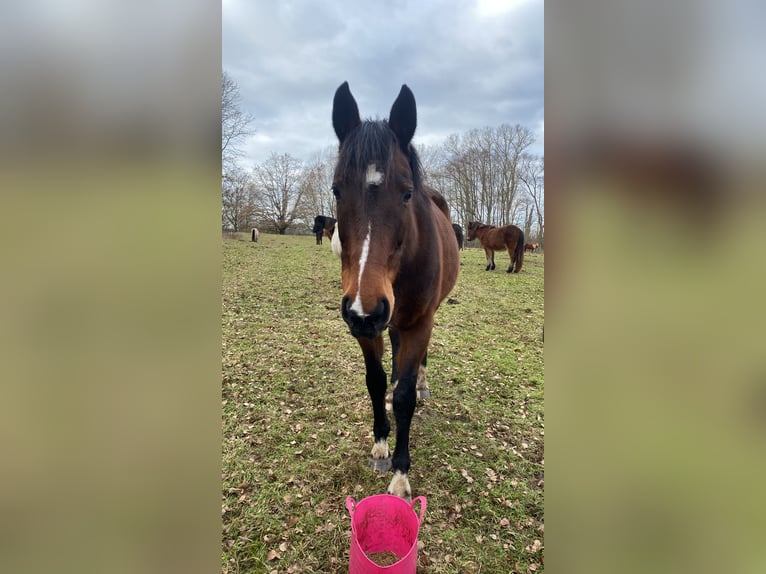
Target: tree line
{"points": [[279, 193], [486, 174]]}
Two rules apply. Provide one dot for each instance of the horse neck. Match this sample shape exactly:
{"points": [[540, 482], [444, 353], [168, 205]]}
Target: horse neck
{"points": [[422, 228]]}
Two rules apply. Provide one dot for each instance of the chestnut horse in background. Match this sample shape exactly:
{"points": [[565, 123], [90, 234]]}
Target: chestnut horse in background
{"points": [[399, 260], [530, 247], [494, 238]]}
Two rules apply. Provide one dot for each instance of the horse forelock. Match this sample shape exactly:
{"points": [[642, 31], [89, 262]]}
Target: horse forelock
{"points": [[369, 143], [373, 142]]}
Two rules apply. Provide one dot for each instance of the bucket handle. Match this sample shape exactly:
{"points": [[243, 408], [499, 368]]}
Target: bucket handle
{"points": [[423, 504], [351, 505]]}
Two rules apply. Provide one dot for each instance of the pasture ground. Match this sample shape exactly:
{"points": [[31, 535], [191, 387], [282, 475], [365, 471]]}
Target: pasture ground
{"points": [[297, 423]]}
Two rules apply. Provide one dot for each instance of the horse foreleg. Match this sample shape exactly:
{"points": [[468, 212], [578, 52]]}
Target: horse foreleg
{"points": [[393, 334], [490, 258], [380, 456], [422, 385], [412, 351]]}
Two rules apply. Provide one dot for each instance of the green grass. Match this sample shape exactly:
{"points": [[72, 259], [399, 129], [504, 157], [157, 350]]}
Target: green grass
{"points": [[297, 423]]}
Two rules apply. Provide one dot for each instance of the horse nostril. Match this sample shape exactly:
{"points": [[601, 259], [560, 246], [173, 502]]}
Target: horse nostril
{"points": [[381, 309], [345, 306]]}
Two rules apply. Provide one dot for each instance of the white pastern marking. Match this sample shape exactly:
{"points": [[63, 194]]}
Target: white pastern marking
{"points": [[337, 248], [373, 176], [380, 449], [400, 486], [422, 372], [356, 307]]}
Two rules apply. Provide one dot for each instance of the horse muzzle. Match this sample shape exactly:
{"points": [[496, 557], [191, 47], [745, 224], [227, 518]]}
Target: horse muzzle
{"points": [[366, 325]]}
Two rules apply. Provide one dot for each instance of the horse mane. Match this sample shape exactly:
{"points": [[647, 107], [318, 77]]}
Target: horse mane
{"points": [[439, 200], [373, 141]]}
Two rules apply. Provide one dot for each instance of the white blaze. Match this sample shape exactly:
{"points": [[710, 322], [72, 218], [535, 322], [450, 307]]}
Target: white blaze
{"points": [[357, 305]]}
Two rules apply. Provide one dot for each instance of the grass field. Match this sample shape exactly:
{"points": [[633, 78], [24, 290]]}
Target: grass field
{"points": [[297, 422]]}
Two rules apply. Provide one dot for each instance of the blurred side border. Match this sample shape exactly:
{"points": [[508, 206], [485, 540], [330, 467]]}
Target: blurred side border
{"points": [[655, 375], [110, 293]]}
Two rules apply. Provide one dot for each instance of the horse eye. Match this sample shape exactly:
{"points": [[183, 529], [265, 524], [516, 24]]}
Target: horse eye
{"points": [[336, 192], [407, 196]]}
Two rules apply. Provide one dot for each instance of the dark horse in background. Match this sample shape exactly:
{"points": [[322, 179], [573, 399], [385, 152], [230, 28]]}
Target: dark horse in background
{"points": [[323, 225], [458, 235], [399, 261], [494, 238]]}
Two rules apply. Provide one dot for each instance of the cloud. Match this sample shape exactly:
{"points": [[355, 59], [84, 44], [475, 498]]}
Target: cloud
{"points": [[469, 65]]}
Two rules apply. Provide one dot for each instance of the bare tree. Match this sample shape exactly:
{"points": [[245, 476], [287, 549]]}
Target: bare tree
{"points": [[237, 208], [460, 185], [278, 191], [434, 163], [235, 124], [480, 173], [532, 175], [526, 205], [317, 181], [431, 161], [512, 141]]}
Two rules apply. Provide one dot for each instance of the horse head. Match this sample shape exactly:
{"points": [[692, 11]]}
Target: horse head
{"points": [[472, 227], [375, 183]]}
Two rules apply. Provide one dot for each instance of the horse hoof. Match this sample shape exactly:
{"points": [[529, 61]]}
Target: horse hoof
{"points": [[423, 393], [400, 486], [379, 464]]}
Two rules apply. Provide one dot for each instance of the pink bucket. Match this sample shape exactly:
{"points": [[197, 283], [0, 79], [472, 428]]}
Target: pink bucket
{"points": [[384, 523]]}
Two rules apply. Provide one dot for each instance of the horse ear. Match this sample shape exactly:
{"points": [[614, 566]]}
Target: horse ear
{"points": [[403, 118], [345, 112]]}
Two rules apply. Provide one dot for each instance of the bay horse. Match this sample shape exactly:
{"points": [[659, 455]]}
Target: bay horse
{"points": [[494, 238], [399, 260], [530, 247], [323, 226]]}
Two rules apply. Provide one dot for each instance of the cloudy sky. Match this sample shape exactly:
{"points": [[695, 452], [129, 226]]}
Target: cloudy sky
{"points": [[470, 64]]}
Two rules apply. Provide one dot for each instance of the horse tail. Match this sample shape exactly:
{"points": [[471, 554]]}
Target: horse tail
{"points": [[519, 253]]}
